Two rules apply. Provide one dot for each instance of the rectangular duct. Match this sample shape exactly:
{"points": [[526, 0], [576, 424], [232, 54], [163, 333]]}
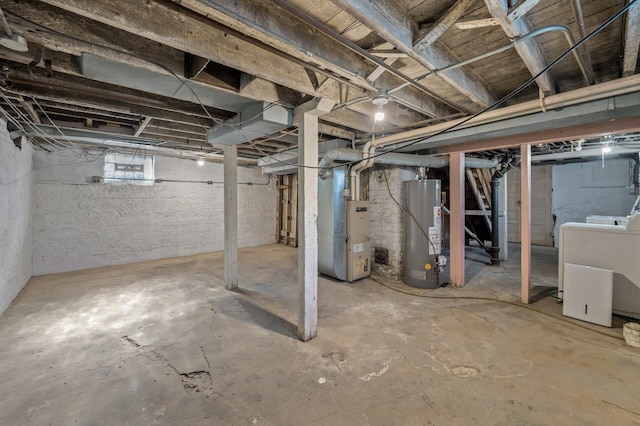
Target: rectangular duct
{"points": [[257, 120]]}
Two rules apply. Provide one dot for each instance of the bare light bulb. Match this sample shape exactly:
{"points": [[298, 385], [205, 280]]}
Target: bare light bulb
{"points": [[379, 115], [200, 162]]}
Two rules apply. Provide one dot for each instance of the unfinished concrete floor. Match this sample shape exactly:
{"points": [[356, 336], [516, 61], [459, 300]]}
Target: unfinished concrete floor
{"points": [[163, 342]]}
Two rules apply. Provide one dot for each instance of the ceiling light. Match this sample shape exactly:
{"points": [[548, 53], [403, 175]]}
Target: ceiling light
{"points": [[379, 101], [200, 161], [607, 140]]}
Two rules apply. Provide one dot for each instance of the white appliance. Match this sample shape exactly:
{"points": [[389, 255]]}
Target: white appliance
{"points": [[608, 220], [590, 254]]}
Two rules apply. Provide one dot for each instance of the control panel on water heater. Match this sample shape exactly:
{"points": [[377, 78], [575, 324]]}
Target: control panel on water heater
{"points": [[358, 240]]}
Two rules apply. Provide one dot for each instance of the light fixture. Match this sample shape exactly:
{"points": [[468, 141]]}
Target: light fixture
{"points": [[579, 144], [379, 115], [379, 101], [200, 161], [607, 140]]}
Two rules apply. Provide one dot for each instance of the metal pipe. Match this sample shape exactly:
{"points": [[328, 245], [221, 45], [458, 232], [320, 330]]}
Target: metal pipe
{"points": [[467, 230], [5, 24], [352, 155], [113, 143], [298, 14], [354, 173], [532, 34], [607, 89], [494, 250]]}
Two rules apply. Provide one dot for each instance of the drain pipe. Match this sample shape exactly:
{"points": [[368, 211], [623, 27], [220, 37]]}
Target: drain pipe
{"points": [[494, 250]]}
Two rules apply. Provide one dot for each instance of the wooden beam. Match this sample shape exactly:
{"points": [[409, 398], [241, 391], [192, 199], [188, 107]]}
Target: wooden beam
{"points": [[528, 50], [631, 41], [205, 39], [395, 26], [582, 30], [456, 218], [478, 23], [307, 117], [455, 12], [31, 112], [143, 126], [525, 223], [375, 74], [388, 53], [195, 34], [69, 33], [521, 9], [230, 216]]}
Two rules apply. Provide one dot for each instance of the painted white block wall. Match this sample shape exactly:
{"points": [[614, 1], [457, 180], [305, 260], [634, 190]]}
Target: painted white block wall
{"points": [[387, 223], [77, 225], [16, 186], [583, 189]]}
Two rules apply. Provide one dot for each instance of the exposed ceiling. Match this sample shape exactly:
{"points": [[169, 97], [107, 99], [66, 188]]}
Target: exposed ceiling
{"points": [[162, 72]]}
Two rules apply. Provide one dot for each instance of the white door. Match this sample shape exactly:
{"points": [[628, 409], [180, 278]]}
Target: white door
{"points": [[541, 218]]}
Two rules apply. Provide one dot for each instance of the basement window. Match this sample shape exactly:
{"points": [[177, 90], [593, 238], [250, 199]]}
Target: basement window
{"points": [[129, 168]]}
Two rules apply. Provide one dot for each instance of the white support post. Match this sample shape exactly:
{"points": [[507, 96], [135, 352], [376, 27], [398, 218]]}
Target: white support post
{"points": [[231, 217], [306, 116], [525, 222], [456, 218]]}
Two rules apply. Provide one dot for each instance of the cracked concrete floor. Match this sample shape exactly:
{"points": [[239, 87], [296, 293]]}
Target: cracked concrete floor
{"points": [[163, 342]]}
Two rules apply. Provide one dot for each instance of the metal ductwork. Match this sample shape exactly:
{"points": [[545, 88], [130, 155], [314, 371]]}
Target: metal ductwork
{"points": [[257, 120], [253, 119]]}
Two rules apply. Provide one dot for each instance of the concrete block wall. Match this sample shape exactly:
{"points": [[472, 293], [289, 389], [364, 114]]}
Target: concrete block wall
{"points": [[16, 185], [387, 223], [78, 225], [583, 189]]}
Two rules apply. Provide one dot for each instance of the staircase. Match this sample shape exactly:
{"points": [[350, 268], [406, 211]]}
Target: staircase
{"points": [[480, 182]]}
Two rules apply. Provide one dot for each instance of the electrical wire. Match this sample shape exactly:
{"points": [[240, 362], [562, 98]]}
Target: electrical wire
{"points": [[497, 300], [507, 97]]}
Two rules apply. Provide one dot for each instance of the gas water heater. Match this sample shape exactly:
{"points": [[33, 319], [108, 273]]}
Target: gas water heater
{"points": [[423, 260]]}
